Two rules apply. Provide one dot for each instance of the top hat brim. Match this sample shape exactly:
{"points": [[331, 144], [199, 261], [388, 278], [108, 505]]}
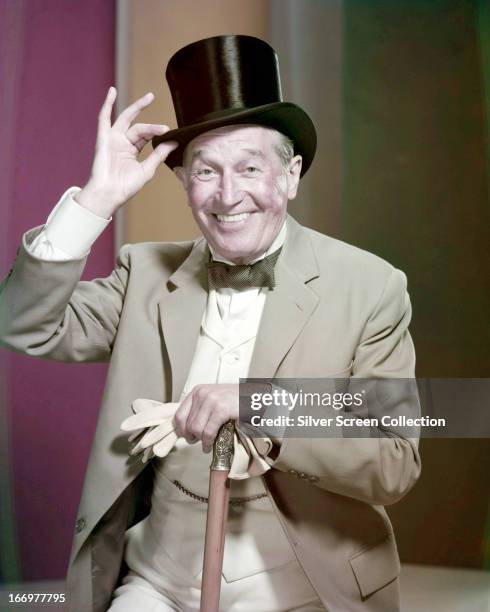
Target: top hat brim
{"points": [[285, 117]]}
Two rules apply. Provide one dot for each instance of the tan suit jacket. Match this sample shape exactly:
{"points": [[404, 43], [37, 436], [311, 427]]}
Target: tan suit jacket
{"points": [[336, 311]]}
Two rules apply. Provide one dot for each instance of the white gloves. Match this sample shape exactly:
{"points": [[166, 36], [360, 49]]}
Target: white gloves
{"points": [[249, 458]]}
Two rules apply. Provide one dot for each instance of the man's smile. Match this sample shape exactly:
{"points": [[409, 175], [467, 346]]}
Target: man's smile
{"points": [[232, 218]]}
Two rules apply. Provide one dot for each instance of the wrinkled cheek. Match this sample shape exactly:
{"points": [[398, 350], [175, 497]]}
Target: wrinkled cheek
{"points": [[195, 195], [280, 189], [200, 201]]}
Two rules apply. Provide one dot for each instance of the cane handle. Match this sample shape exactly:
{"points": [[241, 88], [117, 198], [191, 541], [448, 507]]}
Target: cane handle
{"points": [[223, 448]]}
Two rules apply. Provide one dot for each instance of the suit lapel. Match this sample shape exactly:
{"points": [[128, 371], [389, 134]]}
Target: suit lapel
{"points": [[181, 313], [289, 305]]}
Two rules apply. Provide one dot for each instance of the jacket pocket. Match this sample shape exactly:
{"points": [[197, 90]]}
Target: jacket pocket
{"points": [[376, 566]]}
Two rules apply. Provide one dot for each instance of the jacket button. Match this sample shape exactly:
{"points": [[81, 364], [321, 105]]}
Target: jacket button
{"points": [[80, 525], [302, 475], [293, 472], [313, 478]]}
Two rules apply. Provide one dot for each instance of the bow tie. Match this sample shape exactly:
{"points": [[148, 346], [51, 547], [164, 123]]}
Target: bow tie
{"points": [[258, 274]]}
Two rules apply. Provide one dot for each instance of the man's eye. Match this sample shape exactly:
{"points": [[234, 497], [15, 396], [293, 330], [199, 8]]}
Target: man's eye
{"points": [[204, 172], [252, 169]]}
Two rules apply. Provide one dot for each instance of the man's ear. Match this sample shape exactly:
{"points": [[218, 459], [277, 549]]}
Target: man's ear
{"points": [[293, 176]]}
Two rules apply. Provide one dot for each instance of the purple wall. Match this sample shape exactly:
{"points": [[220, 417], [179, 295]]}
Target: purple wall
{"points": [[57, 62]]}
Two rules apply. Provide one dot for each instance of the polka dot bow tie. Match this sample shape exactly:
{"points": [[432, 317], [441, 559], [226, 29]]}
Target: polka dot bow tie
{"points": [[258, 274]]}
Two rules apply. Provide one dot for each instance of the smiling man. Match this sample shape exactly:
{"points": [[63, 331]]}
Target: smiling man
{"points": [[257, 295]]}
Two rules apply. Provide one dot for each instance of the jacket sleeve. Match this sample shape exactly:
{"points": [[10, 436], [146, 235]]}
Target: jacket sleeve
{"points": [[382, 468], [47, 312]]}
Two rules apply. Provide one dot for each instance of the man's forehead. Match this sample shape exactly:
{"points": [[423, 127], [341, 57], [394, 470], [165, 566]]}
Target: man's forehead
{"points": [[253, 139], [198, 151]]}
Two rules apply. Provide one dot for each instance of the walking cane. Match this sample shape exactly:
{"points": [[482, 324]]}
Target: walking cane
{"points": [[219, 493]]}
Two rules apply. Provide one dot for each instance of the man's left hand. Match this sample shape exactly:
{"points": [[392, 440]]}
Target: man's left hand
{"points": [[204, 410]]}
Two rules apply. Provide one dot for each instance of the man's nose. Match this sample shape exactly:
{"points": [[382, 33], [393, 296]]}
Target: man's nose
{"points": [[230, 192]]}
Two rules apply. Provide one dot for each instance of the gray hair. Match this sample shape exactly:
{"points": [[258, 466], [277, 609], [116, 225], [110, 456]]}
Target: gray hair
{"points": [[284, 148]]}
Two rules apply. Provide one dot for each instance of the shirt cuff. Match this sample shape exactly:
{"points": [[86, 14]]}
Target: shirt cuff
{"points": [[71, 228]]}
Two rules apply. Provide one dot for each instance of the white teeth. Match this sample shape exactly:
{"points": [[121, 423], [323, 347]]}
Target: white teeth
{"points": [[232, 218]]}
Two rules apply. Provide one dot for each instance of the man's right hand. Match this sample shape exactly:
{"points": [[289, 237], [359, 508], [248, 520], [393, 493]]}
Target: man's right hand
{"points": [[116, 173]]}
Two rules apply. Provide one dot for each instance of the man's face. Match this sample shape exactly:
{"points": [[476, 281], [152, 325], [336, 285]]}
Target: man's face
{"points": [[238, 189]]}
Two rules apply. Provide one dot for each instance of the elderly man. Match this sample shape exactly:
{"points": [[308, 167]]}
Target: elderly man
{"points": [[257, 295]]}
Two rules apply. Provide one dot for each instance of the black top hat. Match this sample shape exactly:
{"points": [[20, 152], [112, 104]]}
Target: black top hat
{"points": [[227, 80]]}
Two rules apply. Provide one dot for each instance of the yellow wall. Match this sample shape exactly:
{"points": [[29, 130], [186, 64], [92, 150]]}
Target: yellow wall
{"points": [[149, 32]]}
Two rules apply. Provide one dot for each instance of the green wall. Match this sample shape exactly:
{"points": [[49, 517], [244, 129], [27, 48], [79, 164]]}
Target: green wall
{"points": [[415, 191]]}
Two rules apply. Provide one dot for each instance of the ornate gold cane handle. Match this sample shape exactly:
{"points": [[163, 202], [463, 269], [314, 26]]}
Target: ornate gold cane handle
{"points": [[223, 448]]}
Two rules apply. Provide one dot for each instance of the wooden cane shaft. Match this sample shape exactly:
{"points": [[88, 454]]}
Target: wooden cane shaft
{"points": [[219, 493]]}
